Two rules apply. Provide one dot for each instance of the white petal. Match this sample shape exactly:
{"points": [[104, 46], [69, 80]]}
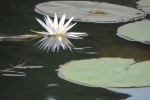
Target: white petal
{"points": [[55, 23], [54, 31], [69, 27], [66, 25], [61, 23], [43, 24], [49, 21]]}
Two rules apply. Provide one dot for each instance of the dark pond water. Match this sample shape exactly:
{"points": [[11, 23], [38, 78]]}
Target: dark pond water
{"points": [[18, 17]]}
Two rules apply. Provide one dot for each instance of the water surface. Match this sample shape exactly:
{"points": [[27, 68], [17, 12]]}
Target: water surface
{"points": [[18, 17]]}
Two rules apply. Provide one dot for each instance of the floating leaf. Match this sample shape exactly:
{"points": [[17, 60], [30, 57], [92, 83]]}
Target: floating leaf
{"points": [[107, 72], [144, 5], [137, 31], [88, 11]]}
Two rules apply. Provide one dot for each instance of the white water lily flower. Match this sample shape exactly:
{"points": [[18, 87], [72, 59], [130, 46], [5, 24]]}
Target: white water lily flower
{"points": [[55, 28], [57, 34]]}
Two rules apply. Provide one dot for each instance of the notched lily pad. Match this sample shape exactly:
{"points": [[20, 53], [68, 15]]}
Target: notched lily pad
{"points": [[137, 31], [107, 72], [144, 5], [88, 11]]}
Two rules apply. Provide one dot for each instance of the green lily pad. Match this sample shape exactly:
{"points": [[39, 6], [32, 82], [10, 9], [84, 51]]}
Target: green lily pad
{"points": [[107, 72], [144, 5], [88, 11], [137, 31]]}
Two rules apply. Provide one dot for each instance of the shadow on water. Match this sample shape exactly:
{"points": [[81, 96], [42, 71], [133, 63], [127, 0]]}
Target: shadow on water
{"points": [[18, 17], [61, 91]]}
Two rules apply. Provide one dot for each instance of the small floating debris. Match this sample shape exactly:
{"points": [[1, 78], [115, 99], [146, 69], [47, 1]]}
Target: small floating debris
{"points": [[52, 85], [25, 67], [83, 50], [13, 74], [91, 52], [86, 52], [19, 66], [78, 48]]}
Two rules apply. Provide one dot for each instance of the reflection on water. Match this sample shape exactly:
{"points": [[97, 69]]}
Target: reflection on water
{"points": [[85, 50], [51, 85], [40, 84], [67, 91], [54, 42], [50, 98]]}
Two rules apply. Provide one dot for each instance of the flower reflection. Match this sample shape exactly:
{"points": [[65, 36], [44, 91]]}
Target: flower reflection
{"points": [[54, 42], [57, 34]]}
